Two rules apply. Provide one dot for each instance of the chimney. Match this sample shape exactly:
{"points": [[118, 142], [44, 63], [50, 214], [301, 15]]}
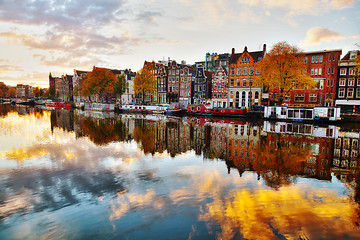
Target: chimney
{"points": [[264, 48], [245, 49], [233, 51]]}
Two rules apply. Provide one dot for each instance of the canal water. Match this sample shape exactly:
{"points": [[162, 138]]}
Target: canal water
{"points": [[88, 175]]}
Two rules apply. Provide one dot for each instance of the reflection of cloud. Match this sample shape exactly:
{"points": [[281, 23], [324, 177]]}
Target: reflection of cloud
{"points": [[317, 35]]}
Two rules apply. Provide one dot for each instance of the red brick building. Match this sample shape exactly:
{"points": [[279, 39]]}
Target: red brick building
{"points": [[322, 66]]}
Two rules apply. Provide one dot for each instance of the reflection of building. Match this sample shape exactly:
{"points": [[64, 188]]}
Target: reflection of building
{"points": [[218, 140], [318, 139], [346, 150], [242, 139], [62, 119]]}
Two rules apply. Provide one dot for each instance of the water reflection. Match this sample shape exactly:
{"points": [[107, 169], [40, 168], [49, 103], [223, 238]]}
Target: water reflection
{"points": [[73, 174]]}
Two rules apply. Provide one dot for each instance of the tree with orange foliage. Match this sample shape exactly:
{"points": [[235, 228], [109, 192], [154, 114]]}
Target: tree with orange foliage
{"points": [[144, 82], [12, 92], [4, 90], [283, 68], [280, 164], [99, 81]]}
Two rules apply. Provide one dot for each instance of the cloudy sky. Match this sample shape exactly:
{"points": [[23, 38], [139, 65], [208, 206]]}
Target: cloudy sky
{"points": [[58, 36]]}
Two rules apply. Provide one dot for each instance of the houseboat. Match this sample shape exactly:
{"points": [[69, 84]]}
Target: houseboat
{"points": [[58, 105], [206, 109], [302, 113], [155, 108], [99, 106]]}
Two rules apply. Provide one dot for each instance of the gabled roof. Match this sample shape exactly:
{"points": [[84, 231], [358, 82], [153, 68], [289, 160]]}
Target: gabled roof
{"points": [[256, 56], [347, 56]]}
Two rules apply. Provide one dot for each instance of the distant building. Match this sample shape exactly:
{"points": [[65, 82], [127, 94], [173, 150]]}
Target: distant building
{"points": [[202, 86], [24, 91], [214, 61], [78, 79]]}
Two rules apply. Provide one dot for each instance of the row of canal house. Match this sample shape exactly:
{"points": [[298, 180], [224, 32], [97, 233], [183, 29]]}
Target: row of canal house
{"points": [[226, 81]]}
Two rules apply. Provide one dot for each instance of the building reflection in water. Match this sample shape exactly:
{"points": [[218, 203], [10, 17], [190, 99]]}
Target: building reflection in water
{"points": [[270, 150]]}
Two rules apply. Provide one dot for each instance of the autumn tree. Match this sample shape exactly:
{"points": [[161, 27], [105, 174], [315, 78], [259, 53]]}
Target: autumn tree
{"points": [[36, 92], [4, 90], [99, 81], [121, 85], [144, 82], [12, 92], [283, 68]]}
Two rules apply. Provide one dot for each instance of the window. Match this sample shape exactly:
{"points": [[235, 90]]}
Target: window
{"points": [[332, 82], [320, 70], [283, 111], [244, 82], [358, 93], [244, 71], [250, 82], [321, 58], [251, 71], [312, 71], [351, 82], [332, 70], [238, 71], [341, 92], [351, 71], [305, 59], [313, 97], [328, 83], [334, 57], [312, 59], [238, 82], [350, 93], [342, 81], [231, 82], [316, 71], [329, 58], [219, 85], [300, 97], [317, 58], [232, 71], [343, 71], [287, 97], [329, 71]]}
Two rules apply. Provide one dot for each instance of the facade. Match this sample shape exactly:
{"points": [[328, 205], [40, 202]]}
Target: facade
{"points": [[220, 88], [348, 84], [78, 79], [242, 70], [186, 79], [202, 86], [161, 82], [24, 91], [63, 87], [129, 95], [322, 66], [214, 61], [173, 81]]}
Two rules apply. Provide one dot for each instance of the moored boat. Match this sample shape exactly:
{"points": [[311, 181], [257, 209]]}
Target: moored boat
{"points": [[99, 106], [300, 114], [155, 108], [58, 105]]}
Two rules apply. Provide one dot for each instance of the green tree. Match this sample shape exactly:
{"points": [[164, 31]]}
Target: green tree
{"points": [[99, 81], [121, 85], [144, 82], [283, 68], [4, 90]]}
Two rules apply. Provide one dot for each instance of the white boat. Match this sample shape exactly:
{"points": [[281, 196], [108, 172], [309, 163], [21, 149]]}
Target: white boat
{"points": [[156, 108], [302, 113], [99, 106]]}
